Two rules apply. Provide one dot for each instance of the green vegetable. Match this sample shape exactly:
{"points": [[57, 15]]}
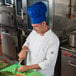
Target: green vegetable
{"points": [[2, 65], [6, 73]]}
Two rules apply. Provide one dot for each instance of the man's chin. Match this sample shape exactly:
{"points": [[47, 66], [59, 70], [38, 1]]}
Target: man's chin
{"points": [[38, 32]]}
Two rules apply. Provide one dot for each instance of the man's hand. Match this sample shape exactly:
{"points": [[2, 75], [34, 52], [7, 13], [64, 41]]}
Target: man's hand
{"points": [[28, 67], [22, 54], [24, 68]]}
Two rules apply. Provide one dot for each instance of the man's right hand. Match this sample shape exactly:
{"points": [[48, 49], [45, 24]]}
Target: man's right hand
{"points": [[22, 53]]}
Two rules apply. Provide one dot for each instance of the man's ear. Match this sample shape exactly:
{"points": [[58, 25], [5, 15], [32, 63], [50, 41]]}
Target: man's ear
{"points": [[43, 22]]}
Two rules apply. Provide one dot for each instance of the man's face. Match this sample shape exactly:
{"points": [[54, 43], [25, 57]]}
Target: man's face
{"points": [[38, 28]]}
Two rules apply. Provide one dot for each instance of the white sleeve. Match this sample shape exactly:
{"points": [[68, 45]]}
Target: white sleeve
{"points": [[26, 43], [51, 55]]}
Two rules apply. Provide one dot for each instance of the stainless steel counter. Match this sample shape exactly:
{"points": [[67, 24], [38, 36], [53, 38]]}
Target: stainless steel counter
{"points": [[68, 60], [68, 48]]}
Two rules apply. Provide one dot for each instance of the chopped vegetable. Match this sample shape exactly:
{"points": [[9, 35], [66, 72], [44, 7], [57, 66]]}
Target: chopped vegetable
{"points": [[19, 75], [6, 73], [2, 64]]}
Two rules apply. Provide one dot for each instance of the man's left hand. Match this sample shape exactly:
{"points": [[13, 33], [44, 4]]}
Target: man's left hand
{"points": [[28, 67], [23, 68]]}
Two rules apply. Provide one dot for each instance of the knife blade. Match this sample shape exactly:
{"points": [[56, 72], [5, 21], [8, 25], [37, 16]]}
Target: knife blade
{"points": [[17, 65]]}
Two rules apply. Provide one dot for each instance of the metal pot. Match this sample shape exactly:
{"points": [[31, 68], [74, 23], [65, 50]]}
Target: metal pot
{"points": [[72, 39]]}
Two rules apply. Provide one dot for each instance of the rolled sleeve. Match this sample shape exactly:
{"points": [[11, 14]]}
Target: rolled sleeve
{"points": [[51, 56], [26, 43]]}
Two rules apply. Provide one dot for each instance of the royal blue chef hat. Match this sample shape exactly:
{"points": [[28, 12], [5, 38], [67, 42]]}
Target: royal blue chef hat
{"points": [[37, 12]]}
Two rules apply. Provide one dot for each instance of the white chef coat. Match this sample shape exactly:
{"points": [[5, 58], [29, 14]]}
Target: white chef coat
{"points": [[42, 50]]}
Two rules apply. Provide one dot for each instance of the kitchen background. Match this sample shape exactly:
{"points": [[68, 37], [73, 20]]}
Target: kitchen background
{"points": [[61, 18]]}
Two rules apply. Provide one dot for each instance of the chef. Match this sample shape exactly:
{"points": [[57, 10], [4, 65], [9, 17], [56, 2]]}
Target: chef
{"points": [[41, 45]]}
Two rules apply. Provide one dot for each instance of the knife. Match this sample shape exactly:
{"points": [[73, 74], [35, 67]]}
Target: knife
{"points": [[17, 65]]}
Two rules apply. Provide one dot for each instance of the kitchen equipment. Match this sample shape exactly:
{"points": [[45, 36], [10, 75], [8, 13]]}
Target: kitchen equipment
{"points": [[27, 73], [8, 45], [6, 16], [17, 66], [68, 61], [72, 39], [70, 9]]}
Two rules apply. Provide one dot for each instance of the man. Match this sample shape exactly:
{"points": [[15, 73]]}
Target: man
{"points": [[42, 44]]}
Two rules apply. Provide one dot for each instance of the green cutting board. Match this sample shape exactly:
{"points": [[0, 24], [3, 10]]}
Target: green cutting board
{"points": [[27, 73]]}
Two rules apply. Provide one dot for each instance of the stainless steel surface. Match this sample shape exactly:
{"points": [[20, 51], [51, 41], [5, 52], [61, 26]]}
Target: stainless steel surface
{"points": [[71, 49], [71, 63], [24, 4], [65, 46], [62, 7], [68, 60], [62, 25], [62, 21], [68, 63], [4, 19], [6, 16], [72, 39], [51, 12], [21, 17], [8, 45], [9, 2]]}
